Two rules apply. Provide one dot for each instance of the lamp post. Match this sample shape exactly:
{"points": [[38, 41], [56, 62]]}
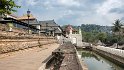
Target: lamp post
{"points": [[46, 28], [28, 14], [46, 32]]}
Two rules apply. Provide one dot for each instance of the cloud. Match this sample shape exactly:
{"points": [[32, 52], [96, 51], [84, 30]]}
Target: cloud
{"points": [[26, 2], [48, 4], [68, 2], [76, 12], [117, 10], [111, 10], [31, 2], [108, 5], [19, 2]]}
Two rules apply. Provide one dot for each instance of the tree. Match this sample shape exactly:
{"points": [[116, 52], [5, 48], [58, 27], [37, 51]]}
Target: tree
{"points": [[101, 36], [117, 26], [117, 29], [7, 7], [89, 37]]}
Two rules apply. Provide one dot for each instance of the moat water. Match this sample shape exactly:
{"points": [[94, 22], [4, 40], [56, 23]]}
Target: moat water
{"points": [[97, 62]]}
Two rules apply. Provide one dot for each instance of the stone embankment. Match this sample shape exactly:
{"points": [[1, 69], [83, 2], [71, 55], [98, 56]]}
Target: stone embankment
{"points": [[11, 45], [19, 39], [115, 55]]}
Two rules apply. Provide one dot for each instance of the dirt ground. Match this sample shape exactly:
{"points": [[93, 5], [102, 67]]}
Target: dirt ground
{"points": [[28, 59]]}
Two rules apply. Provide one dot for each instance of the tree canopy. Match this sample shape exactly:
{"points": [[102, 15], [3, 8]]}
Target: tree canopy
{"points": [[7, 7], [117, 25]]}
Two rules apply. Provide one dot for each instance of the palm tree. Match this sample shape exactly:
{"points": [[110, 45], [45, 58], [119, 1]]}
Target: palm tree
{"points": [[117, 29]]}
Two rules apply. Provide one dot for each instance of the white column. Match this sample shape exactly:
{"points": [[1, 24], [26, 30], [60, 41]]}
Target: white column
{"points": [[53, 33], [70, 31], [80, 30]]}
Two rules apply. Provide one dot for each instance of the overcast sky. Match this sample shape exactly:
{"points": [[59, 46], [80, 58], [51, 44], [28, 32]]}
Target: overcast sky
{"points": [[74, 12]]}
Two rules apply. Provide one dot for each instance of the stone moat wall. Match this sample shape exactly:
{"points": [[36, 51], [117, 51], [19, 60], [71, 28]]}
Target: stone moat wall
{"points": [[64, 58], [11, 45], [114, 55]]}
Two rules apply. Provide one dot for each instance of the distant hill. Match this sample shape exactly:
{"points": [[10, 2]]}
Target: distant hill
{"points": [[97, 28], [92, 27]]}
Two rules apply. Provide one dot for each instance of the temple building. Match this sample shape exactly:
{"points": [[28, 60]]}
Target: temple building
{"points": [[50, 28], [32, 21], [69, 30], [74, 35], [33, 26]]}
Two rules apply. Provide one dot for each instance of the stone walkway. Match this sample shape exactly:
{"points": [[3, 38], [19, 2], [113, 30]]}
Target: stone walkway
{"points": [[30, 59]]}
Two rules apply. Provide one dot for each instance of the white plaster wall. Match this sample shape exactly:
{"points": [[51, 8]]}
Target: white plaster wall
{"points": [[78, 37], [114, 51]]}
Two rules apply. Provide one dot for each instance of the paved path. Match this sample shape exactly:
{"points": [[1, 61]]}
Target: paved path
{"points": [[30, 59]]}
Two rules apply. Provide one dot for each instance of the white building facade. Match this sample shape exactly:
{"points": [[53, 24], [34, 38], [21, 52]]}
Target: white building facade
{"points": [[75, 37]]}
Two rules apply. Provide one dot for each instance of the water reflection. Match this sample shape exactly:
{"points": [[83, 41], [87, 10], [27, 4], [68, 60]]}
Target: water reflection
{"points": [[96, 62]]}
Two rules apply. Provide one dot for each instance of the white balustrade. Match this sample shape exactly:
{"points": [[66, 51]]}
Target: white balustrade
{"points": [[111, 50]]}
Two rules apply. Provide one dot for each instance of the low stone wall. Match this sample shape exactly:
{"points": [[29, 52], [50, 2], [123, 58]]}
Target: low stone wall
{"points": [[11, 45], [64, 58], [114, 55]]}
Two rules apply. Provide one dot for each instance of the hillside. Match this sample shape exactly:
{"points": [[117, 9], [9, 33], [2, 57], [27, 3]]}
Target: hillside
{"points": [[92, 27], [97, 28]]}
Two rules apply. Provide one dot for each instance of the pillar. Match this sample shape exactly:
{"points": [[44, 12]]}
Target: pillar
{"points": [[53, 33], [80, 31], [70, 31]]}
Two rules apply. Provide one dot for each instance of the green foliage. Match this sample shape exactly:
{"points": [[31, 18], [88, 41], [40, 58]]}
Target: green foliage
{"points": [[111, 39], [96, 28], [7, 6], [117, 26], [88, 37], [94, 37], [92, 33], [117, 31], [101, 36]]}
